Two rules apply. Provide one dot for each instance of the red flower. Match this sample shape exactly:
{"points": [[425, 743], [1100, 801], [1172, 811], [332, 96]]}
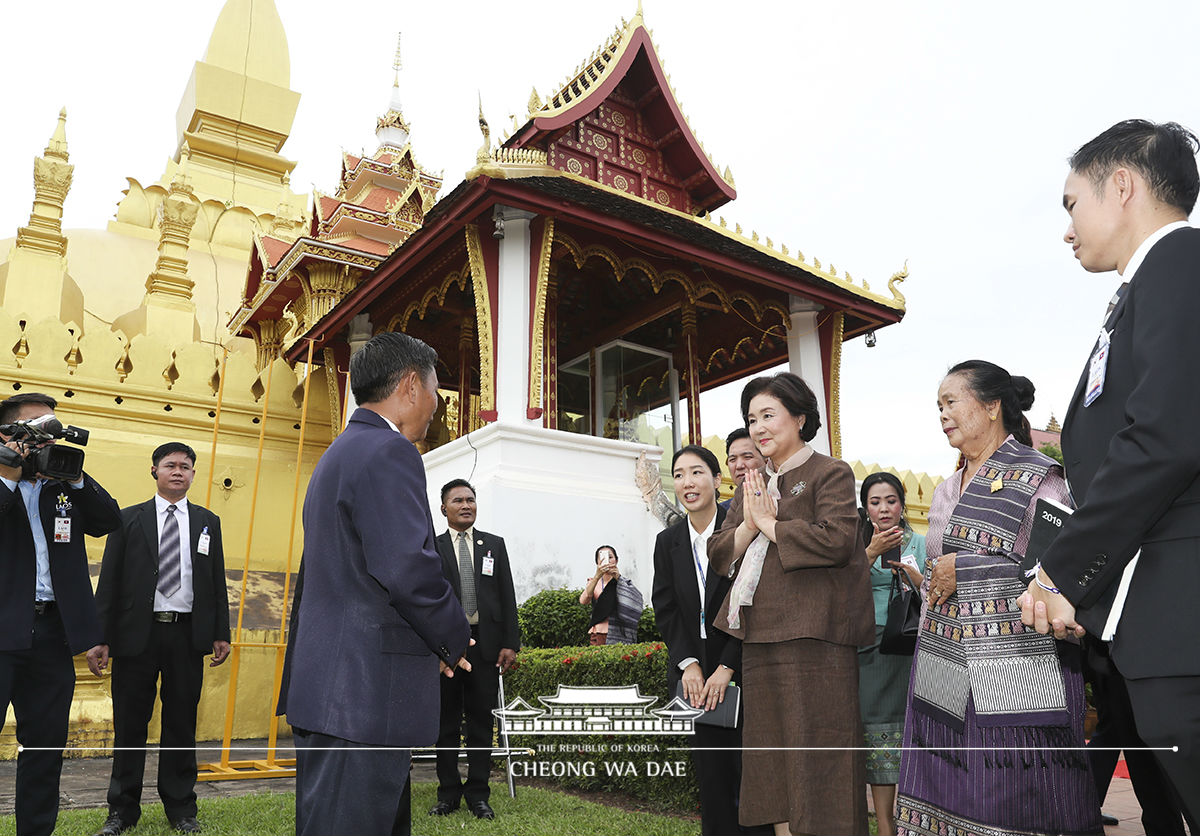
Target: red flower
{"points": [[649, 652], [626, 657], [568, 660]]}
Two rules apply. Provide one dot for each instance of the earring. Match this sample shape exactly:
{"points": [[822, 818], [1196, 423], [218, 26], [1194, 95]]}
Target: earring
{"points": [[992, 417]]}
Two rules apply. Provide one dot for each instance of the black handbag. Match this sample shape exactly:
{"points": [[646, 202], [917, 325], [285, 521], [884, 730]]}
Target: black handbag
{"points": [[903, 617]]}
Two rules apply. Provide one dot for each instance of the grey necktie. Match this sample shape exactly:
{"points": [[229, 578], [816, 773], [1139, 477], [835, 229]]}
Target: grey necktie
{"points": [[466, 571], [1116, 300], [170, 576]]}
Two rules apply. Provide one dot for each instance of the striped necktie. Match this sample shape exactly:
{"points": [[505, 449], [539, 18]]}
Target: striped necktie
{"points": [[466, 571], [170, 570]]}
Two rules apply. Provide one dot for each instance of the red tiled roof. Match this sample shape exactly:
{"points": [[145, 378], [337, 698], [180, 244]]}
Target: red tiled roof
{"points": [[275, 248], [379, 198], [367, 245]]}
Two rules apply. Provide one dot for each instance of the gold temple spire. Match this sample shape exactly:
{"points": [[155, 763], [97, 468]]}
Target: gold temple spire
{"points": [[57, 146]]}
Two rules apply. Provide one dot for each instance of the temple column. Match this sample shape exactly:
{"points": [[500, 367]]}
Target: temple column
{"points": [[551, 353], [804, 359], [512, 329], [466, 357], [691, 371]]}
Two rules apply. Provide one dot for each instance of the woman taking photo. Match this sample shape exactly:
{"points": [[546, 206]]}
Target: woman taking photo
{"points": [[616, 602], [882, 677], [801, 604], [994, 733]]}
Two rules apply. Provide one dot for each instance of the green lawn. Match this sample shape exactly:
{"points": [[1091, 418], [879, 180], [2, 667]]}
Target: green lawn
{"points": [[533, 812]]}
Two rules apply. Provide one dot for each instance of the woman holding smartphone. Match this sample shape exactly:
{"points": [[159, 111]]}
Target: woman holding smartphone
{"points": [[892, 546]]}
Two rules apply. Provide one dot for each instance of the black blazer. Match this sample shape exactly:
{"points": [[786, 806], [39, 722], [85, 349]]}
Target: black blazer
{"points": [[1133, 464], [129, 575], [677, 604], [91, 511], [498, 626]]}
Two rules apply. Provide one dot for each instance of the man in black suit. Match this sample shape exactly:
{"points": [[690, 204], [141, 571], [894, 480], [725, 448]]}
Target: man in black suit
{"points": [[47, 612], [1126, 566], [476, 565], [686, 597], [164, 607], [374, 620]]}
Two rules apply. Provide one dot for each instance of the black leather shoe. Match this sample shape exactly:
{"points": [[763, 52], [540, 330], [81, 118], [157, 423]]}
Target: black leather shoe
{"points": [[481, 810], [442, 808], [187, 824], [114, 825], [1109, 821]]}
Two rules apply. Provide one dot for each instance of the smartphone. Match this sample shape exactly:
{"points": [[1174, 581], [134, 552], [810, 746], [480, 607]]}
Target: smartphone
{"points": [[890, 554]]}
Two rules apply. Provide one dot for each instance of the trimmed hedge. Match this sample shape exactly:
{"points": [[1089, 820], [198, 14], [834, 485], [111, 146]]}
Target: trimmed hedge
{"points": [[555, 618], [628, 763]]}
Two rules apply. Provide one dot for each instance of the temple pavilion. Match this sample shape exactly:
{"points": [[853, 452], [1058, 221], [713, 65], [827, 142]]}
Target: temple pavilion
{"points": [[580, 293]]}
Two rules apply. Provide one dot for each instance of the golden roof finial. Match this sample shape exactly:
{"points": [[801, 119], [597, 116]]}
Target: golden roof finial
{"points": [[1053, 426], [637, 16], [57, 146], [397, 64], [179, 183], [535, 101], [485, 151]]}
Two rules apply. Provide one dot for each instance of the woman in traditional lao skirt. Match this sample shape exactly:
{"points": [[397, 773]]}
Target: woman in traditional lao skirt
{"points": [[995, 710], [801, 604], [883, 677]]}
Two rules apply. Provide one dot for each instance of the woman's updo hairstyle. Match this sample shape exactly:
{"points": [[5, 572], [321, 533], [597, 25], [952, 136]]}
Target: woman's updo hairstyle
{"points": [[990, 383], [793, 393]]}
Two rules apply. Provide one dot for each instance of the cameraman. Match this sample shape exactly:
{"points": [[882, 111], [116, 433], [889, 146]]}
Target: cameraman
{"points": [[47, 613]]}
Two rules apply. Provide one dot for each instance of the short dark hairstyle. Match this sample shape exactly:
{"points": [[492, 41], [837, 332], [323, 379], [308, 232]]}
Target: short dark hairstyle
{"points": [[990, 383], [456, 483], [791, 391], [11, 407], [377, 368], [616, 557], [164, 450], [736, 435], [1165, 155]]}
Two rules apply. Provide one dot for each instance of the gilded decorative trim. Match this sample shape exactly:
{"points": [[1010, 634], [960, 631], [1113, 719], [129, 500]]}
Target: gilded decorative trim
{"points": [[835, 386], [437, 292], [538, 330], [693, 290], [331, 386], [483, 318]]}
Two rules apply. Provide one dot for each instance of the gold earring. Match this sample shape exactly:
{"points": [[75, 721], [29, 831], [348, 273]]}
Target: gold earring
{"points": [[993, 417]]}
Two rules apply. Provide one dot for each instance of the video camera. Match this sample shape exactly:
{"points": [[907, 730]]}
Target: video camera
{"points": [[50, 460]]}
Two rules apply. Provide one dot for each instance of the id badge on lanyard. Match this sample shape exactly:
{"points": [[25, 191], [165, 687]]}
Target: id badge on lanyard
{"points": [[1097, 368]]}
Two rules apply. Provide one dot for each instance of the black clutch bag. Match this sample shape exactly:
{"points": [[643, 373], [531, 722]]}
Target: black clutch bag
{"points": [[725, 715], [903, 617]]}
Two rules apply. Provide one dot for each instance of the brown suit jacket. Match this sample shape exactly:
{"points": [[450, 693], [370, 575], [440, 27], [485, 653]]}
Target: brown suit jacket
{"points": [[814, 582]]}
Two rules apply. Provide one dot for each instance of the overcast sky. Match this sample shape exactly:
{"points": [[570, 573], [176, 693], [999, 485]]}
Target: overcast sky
{"points": [[861, 133]]}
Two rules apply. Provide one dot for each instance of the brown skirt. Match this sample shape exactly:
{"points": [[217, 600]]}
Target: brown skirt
{"points": [[800, 695]]}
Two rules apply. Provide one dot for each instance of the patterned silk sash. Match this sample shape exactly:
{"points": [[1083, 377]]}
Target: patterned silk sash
{"points": [[974, 644]]}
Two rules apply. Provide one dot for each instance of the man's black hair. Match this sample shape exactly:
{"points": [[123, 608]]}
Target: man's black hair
{"points": [[736, 435], [456, 483], [377, 368], [11, 407], [1164, 155], [164, 450]]}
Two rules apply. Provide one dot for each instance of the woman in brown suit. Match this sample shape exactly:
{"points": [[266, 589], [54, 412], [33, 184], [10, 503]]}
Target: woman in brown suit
{"points": [[801, 603]]}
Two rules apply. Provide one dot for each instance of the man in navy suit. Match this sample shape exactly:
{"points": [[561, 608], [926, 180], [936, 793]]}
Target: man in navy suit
{"points": [[1126, 566], [374, 619], [163, 606], [47, 612], [490, 603]]}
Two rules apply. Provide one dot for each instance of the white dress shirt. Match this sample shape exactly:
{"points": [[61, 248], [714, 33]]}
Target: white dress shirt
{"points": [[699, 541], [181, 601]]}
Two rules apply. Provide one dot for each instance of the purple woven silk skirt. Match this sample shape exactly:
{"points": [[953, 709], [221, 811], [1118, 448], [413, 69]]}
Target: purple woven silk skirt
{"points": [[990, 780]]}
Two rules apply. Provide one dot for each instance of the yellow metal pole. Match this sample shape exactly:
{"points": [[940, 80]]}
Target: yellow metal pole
{"points": [[272, 722], [212, 454], [231, 700]]}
